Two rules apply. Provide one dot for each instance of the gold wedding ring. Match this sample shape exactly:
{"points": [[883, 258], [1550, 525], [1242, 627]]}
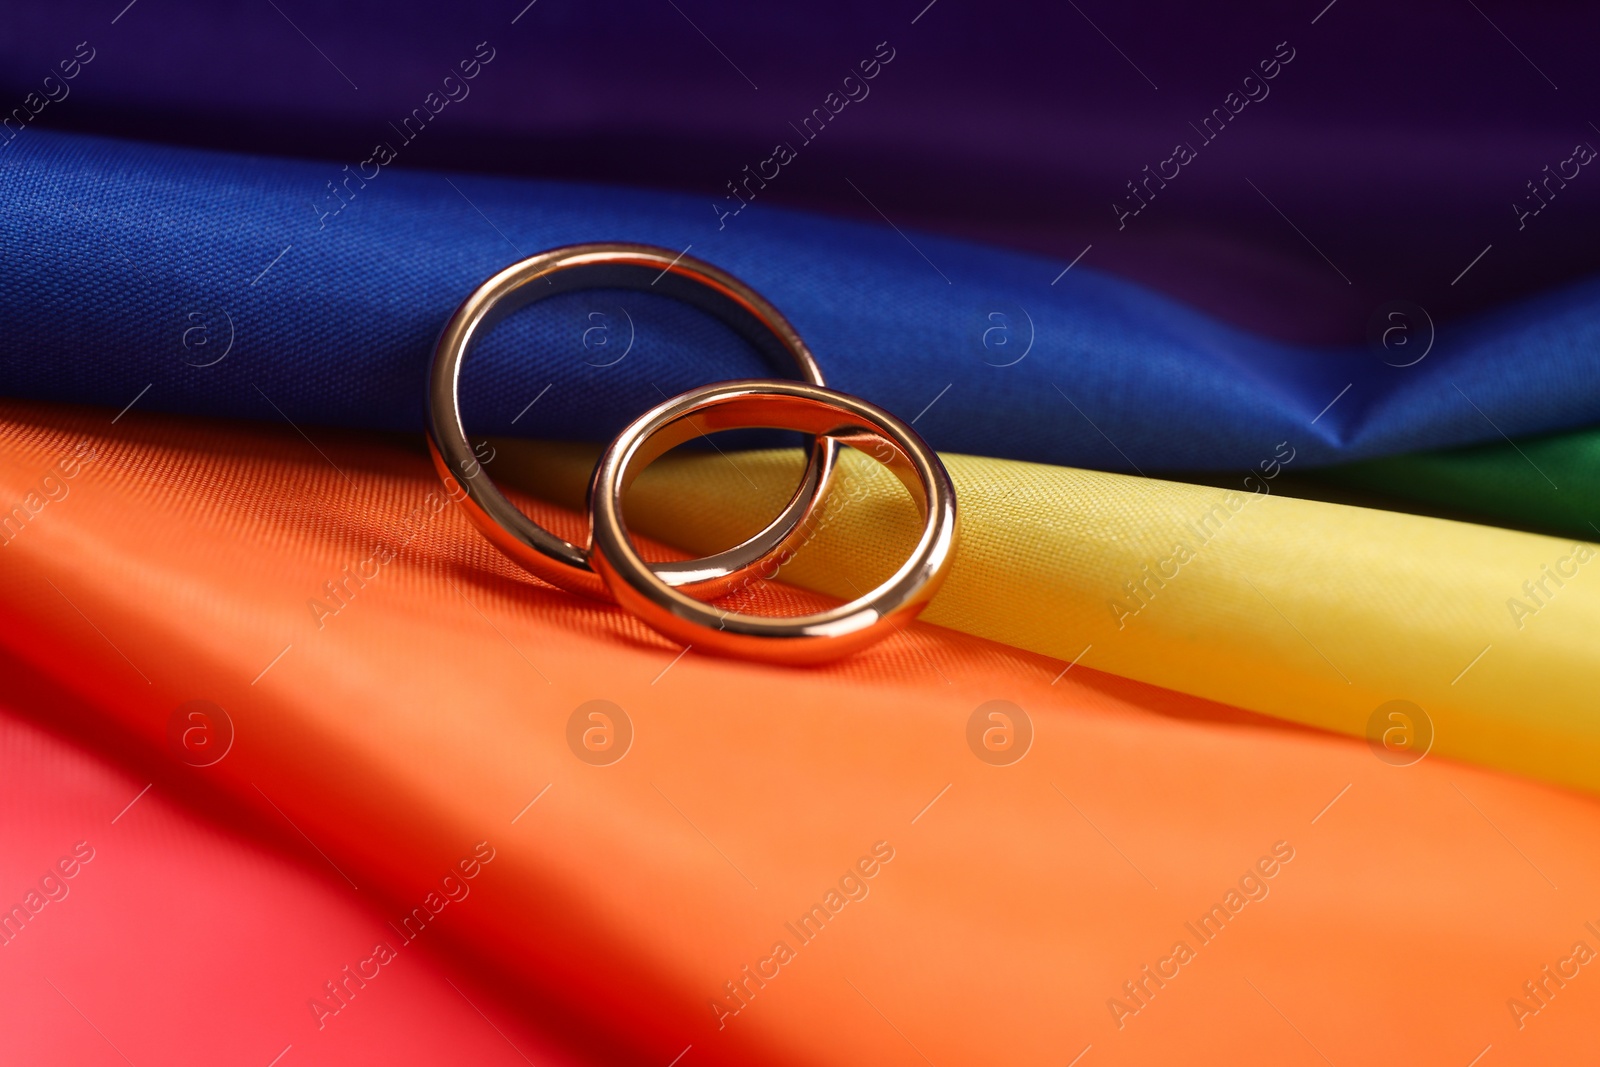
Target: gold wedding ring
{"points": [[776, 405], [610, 566], [612, 266]]}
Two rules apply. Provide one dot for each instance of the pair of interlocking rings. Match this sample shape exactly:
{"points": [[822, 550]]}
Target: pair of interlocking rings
{"points": [[610, 566]]}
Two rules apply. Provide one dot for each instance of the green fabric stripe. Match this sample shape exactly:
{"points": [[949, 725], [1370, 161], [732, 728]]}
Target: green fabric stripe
{"points": [[1548, 484]]}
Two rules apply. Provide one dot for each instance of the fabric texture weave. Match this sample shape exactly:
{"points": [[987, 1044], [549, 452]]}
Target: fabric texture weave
{"points": [[433, 710], [1314, 612], [207, 283]]}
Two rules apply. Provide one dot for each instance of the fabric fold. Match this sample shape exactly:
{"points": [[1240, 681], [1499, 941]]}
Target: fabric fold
{"points": [[940, 892], [1312, 612], [1550, 483], [186, 281], [111, 871], [1021, 126]]}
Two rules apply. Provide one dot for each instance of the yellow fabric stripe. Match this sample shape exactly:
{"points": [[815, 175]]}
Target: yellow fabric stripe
{"points": [[1314, 612]]}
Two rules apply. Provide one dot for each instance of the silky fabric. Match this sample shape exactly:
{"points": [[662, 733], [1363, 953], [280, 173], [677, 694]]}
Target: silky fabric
{"points": [[179, 893], [1545, 483], [1002, 913], [1314, 612], [208, 283], [1345, 179]]}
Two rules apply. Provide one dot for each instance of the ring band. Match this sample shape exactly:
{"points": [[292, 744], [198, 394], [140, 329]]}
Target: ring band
{"points": [[626, 266], [783, 406]]}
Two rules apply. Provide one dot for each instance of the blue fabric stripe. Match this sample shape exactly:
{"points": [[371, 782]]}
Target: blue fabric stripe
{"points": [[126, 265]]}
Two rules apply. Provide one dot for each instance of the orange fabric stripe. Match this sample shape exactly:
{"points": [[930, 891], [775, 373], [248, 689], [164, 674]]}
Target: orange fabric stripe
{"points": [[427, 709]]}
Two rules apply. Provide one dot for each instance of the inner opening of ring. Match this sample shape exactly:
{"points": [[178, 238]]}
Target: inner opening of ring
{"points": [[579, 365], [704, 501], [672, 290]]}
